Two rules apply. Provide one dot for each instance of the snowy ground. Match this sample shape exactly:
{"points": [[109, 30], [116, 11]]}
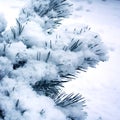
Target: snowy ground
{"points": [[100, 85]]}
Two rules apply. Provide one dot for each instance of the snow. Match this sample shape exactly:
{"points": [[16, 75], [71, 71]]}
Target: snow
{"points": [[99, 86], [13, 49], [11, 10]]}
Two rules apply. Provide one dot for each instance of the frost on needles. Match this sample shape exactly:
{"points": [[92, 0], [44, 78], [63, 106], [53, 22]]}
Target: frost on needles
{"points": [[37, 57]]}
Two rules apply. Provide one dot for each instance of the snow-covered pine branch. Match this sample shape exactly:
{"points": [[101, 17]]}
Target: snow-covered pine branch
{"points": [[48, 13], [33, 64]]}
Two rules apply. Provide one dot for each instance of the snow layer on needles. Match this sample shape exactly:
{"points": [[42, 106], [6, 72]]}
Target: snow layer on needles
{"points": [[32, 52], [45, 57], [26, 100]]}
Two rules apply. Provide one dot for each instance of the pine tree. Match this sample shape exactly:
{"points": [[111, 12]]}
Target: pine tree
{"points": [[37, 58]]}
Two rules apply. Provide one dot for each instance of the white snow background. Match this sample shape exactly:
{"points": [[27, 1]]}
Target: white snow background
{"points": [[101, 85]]}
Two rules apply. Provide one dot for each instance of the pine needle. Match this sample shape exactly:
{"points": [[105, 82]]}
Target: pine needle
{"points": [[64, 100]]}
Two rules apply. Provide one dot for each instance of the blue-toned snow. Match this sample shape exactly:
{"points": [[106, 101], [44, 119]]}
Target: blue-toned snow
{"points": [[101, 85]]}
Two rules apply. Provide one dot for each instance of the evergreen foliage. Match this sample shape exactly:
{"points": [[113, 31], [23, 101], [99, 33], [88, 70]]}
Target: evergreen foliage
{"points": [[51, 11], [65, 100], [48, 88], [36, 60]]}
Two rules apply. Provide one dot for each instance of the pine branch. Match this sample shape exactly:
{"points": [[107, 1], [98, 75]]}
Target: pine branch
{"points": [[75, 45], [20, 27], [64, 100], [52, 11], [49, 88], [59, 6], [16, 31]]}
